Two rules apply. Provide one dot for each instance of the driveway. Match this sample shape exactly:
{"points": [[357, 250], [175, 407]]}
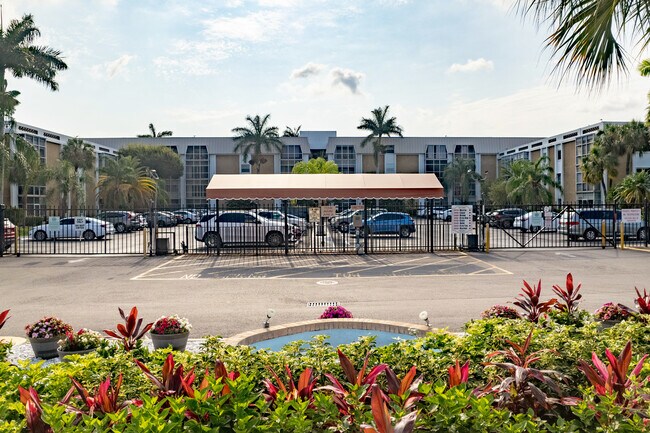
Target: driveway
{"points": [[230, 294]]}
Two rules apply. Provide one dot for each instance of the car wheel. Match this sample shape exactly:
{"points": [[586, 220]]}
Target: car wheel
{"points": [[212, 240], [344, 227], [506, 224], [642, 234], [590, 235], [88, 235], [274, 239], [120, 227], [40, 235], [404, 232]]}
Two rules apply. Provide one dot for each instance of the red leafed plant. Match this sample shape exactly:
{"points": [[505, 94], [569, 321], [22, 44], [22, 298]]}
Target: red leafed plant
{"points": [[517, 392], [303, 391], [458, 374], [3, 318], [406, 389], [33, 411], [613, 378], [104, 400], [642, 302], [569, 296], [382, 418], [173, 382], [221, 375], [528, 300], [130, 332]]}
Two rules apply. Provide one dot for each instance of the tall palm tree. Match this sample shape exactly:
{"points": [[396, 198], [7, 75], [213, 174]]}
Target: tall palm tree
{"points": [[62, 182], [530, 182], [626, 139], [22, 58], [8, 103], [252, 140], [25, 167], [459, 175], [82, 157], [586, 35], [291, 132], [599, 167], [379, 126], [634, 188], [154, 134], [125, 184]]}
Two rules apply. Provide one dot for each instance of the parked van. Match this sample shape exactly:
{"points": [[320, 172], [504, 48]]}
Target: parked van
{"points": [[587, 224]]}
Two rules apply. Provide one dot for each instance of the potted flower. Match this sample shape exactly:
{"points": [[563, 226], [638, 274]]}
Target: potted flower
{"points": [[45, 334], [500, 311], [80, 343], [610, 314], [170, 330], [336, 313]]}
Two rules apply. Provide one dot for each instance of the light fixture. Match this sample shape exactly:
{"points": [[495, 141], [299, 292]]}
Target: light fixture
{"points": [[269, 313], [425, 316]]}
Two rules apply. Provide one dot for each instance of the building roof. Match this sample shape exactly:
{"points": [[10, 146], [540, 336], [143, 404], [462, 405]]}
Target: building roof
{"points": [[323, 186]]}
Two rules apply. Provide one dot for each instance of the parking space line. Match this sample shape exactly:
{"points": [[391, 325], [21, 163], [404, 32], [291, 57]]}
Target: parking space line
{"points": [[142, 275], [643, 250]]}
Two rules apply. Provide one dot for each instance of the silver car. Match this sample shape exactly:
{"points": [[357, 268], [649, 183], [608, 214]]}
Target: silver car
{"points": [[242, 227], [588, 224]]}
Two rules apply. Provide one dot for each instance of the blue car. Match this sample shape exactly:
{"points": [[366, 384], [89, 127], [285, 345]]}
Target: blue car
{"points": [[398, 223]]}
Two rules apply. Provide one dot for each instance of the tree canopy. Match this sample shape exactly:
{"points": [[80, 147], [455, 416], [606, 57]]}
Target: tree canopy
{"points": [[255, 138], [165, 161], [379, 125], [315, 166]]}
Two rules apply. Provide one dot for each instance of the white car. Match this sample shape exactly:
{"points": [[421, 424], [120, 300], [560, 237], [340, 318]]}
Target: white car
{"points": [[276, 215], [534, 221], [242, 227], [85, 228]]}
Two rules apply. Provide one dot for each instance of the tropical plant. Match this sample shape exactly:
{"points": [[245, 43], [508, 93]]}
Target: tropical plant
{"points": [[634, 188], [83, 339], [458, 374], [164, 160], [530, 182], [315, 166], [33, 411], [124, 184], [611, 311], [599, 166], [155, 134], [129, 333], [586, 35], [517, 392], [291, 132], [568, 297], [625, 140], [173, 382], [25, 167], [63, 182], [644, 70], [337, 312], [642, 302], [379, 125], [614, 378], [529, 301], [406, 389], [4, 316], [255, 138], [501, 311], [382, 417], [82, 157], [47, 327], [459, 176], [105, 399], [291, 391], [171, 325]]}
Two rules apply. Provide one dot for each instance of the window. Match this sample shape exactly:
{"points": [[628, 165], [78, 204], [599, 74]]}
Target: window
{"points": [[291, 154], [435, 159], [232, 218], [250, 219], [196, 175], [583, 146], [345, 157], [559, 154]]}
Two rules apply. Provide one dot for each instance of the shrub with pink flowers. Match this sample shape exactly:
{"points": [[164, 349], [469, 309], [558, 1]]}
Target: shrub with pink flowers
{"points": [[501, 311], [336, 313], [611, 311], [47, 327], [171, 325]]}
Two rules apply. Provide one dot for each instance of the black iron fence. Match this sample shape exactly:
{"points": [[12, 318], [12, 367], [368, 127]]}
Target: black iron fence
{"points": [[316, 228]]}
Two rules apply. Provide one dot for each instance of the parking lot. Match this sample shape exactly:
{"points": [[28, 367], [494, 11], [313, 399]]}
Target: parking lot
{"points": [[228, 294]]}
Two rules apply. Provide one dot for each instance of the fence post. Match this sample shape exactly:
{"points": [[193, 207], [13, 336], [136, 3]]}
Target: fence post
{"points": [[2, 233], [646, 223], [365, 226], [285, 209], [429, 216], [602, 234]]}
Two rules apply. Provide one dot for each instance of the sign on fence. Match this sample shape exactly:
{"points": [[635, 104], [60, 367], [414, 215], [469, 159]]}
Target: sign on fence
{"points": [[54, 223], [357, 207], [314, 214], [328, 211], [461, 219], [631, 215], [79, 223]]}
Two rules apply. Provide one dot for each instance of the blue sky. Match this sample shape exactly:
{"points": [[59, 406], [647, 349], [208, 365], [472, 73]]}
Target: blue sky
{"points": [[198, 68]]}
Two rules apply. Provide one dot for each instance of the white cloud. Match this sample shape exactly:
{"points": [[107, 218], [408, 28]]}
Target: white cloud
{"points": [[278, 3], [254, 27], [110, 70], [308, 70], [347, 78], [472, 66], [394, 3]]}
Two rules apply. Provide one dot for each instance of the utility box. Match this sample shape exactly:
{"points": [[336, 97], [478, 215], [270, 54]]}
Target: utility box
{"points": [[472, 242], [162, 246]]}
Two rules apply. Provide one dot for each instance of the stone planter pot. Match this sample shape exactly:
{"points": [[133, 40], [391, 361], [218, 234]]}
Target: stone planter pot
{"points": [[63, 353], [177, 341], [45, 348]]}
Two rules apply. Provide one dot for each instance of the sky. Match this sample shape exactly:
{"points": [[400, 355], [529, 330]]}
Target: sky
{"points": [[198, 68]]}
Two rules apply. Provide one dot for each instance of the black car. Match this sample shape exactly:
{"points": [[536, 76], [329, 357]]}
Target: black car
{"points": [[503, 218]]}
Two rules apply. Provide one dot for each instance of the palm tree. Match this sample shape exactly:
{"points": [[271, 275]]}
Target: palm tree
{"points": [[125, 184], [586, 35], [8, 103], [634, 188], [257, 137], [291, 132], [25, 167], [315, 166], [154, 134], [530, 182], [644, 69], [599, 167], [23, 59], [459, 175], [626, 139], [82, 157], [63, 182], [379, 126]]}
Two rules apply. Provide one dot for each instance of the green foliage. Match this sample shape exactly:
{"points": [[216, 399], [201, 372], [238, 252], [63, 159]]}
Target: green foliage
{"points": [[315, 166], [165, 161]]}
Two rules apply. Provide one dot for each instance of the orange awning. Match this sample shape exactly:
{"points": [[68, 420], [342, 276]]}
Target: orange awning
{"points": [[323, 186]]}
